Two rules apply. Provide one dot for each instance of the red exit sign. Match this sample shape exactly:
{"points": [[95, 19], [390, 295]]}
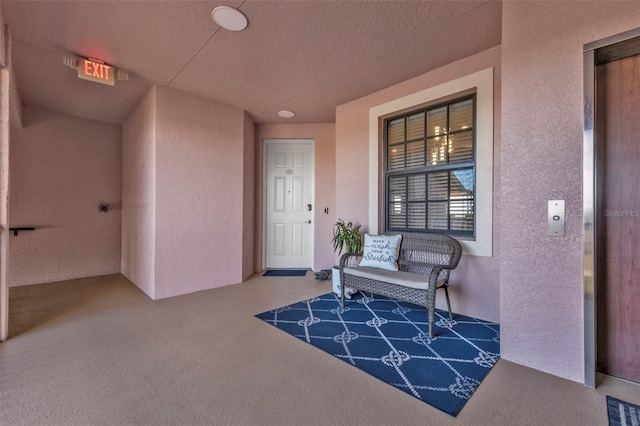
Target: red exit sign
{"points": [[96, 70]]}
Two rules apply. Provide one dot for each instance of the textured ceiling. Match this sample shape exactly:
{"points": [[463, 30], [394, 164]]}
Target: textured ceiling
{"points": [[306, 56]]}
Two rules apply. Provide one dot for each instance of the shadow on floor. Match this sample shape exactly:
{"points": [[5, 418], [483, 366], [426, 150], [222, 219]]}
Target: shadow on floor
{"points": [[35, 305]]}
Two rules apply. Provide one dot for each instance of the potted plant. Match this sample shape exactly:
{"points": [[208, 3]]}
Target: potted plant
{"points": [[346, 236]]}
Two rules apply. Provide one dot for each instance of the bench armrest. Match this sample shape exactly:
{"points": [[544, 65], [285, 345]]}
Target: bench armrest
{"points": [[344, 259]]}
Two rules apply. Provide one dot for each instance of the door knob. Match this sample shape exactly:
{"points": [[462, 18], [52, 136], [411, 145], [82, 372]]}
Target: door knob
{"points": [[307, 221]]}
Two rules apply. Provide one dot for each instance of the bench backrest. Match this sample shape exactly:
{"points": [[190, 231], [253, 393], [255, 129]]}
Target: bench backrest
{"points": [[418, 250]]}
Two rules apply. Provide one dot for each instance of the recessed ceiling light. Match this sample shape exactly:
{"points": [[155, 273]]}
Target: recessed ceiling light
{"points": [[286, 114], [229, 18]]}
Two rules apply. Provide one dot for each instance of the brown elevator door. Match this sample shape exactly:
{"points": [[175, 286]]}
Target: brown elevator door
{"points": [[618, 217]]}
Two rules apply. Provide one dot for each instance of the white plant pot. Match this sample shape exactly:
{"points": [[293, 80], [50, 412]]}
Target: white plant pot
{"points": [[335, 276]]}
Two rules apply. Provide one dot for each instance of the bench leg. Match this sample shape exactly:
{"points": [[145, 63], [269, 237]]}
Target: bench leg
{"points": [[431, 308], [446, 293]]}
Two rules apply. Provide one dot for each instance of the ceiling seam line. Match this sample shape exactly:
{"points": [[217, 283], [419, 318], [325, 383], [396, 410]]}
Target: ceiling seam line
{"points": [[198, 51], [193, 57]]}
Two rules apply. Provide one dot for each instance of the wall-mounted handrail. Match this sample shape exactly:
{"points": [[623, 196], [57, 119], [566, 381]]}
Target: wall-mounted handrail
{"points": [[15, 230]]}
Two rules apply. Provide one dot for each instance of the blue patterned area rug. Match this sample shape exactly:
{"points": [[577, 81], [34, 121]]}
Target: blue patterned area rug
{"points": [[622, 413], [390, 340]]}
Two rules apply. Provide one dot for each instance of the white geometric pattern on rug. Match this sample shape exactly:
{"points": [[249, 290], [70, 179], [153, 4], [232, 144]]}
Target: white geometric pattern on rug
{"points": [[389, 340]]}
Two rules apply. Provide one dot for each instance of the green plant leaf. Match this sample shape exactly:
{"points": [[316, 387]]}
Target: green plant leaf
{"points": [[346, 236]]}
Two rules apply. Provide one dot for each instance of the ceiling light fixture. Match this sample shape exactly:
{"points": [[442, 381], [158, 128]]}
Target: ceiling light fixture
{"points": [[229, 18], [286, 114]]}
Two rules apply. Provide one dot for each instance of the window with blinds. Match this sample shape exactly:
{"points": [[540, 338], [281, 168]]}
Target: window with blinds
{"points": [[430, 169]]}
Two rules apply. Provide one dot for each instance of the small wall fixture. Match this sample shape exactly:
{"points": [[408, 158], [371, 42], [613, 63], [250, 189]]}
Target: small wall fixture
{"points": [[103, 207], [229, 18], [16, 230]]}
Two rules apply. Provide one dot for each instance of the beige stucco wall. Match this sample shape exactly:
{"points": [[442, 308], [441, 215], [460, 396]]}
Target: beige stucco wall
{"points": [[63, 167], [324, 137]]}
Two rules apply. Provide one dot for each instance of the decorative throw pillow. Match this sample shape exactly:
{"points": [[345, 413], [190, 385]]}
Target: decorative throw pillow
{"points": [[381, 251]]}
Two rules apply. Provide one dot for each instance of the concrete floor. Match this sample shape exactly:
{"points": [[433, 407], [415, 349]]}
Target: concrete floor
{"points": [[98, 351]]}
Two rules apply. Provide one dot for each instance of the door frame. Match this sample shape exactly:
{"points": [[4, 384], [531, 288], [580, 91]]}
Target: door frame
{"points": [[265, 144], [598, 52]]}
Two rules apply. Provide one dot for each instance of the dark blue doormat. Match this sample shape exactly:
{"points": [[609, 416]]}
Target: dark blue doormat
{"points": [[285, 273], [390, 340], [622, 413]]}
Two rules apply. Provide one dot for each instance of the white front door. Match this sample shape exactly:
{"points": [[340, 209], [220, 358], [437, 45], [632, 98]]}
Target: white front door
{"points": [[289, 204]]}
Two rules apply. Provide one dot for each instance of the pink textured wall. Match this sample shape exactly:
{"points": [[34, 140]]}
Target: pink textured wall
{"points": [[475, 284], [63, 167], [541, 277], [199, 193], [248, 203], [4, 202], [139, 195], [4, 60], [188, 189], [324, 136]]}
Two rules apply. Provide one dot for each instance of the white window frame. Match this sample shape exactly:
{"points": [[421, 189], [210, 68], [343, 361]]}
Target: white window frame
{"points": [[482, 82]]}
